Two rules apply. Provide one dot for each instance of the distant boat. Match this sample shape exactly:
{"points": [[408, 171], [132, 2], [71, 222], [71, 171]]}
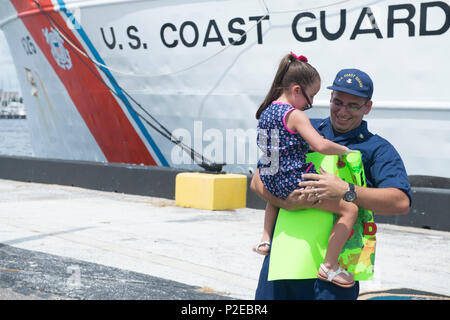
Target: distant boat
{"points": [[201, 68], [11, 105], [14, 110]]}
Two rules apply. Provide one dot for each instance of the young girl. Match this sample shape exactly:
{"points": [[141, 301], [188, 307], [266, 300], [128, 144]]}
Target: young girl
{"points": [[284, 132]]}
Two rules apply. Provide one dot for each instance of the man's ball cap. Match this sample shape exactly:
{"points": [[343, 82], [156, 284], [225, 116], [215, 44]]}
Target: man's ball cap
{"points": [[353, 81]]}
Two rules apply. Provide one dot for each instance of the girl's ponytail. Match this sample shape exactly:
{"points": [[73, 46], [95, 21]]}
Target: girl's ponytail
{"points": [[276, 89], [292, 70]]}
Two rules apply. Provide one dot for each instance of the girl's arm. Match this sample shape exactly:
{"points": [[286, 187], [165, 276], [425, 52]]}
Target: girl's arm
{"points": [[296, 120]]}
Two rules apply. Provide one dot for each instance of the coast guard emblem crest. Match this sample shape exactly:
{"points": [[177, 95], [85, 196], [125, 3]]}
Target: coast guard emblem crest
{"points": [[56, 43]]}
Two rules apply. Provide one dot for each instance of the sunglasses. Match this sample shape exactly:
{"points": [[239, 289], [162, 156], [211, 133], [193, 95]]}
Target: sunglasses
{"points": [[309, 106]]}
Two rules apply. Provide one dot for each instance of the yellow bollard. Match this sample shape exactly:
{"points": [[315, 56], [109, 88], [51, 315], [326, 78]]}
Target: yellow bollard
{"points": [[210, 191]]}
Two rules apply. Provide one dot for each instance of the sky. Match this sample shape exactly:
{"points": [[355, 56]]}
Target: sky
{"points": [[8, 75]]}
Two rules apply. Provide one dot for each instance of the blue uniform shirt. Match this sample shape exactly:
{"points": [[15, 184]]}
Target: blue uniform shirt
{"points": [[383, 166]]}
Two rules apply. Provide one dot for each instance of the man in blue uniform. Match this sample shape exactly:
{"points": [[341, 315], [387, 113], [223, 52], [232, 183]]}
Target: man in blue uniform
{"points": [[388, 191]]}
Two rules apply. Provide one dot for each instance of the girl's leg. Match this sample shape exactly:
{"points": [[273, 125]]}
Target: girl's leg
{"points": [[270, 217], [348, 213]]}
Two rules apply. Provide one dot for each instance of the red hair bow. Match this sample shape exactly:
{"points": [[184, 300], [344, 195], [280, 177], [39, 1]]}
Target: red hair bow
{"points": [[301, 58]]}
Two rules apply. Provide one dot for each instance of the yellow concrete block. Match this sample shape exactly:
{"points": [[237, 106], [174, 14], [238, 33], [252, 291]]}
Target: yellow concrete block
{"points": [[210, 191]]}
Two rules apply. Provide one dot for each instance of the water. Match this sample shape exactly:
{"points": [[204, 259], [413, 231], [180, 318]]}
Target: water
{"points": [[15, 138]]}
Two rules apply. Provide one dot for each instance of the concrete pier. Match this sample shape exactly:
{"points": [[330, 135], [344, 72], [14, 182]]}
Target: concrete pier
{"points": [[194, 254]]}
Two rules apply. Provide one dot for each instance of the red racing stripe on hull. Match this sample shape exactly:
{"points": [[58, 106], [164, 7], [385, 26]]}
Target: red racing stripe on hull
{"points": [[96, 104]]}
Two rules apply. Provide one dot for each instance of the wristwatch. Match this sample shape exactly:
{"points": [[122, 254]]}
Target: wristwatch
{"points": [[350, 195]]}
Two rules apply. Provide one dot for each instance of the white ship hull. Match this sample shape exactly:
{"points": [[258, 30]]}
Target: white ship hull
{"points": [[190, 65]]}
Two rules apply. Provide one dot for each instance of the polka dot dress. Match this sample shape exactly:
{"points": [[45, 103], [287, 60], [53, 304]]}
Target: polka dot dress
{"points": [[284, 152]]}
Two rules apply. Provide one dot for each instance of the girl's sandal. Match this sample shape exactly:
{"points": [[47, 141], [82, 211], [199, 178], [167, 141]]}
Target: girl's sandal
{"points": [[332, 274], [262, 243]]}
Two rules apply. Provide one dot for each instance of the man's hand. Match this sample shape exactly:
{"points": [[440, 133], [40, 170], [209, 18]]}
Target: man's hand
{"points": [[324, 186], [295, 201], [299, 200]]}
